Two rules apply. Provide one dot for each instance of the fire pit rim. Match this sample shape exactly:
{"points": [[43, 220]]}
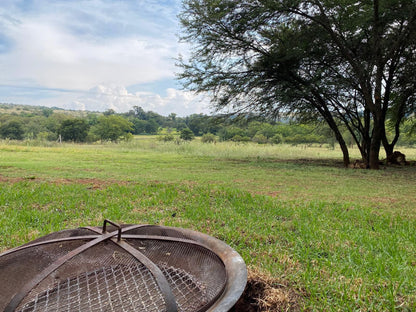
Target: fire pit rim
{"points": [[234, 265]]}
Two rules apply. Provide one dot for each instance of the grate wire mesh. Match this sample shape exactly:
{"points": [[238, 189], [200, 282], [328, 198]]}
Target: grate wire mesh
{"points": [[115, 288], [119, 288], [106, 277]]}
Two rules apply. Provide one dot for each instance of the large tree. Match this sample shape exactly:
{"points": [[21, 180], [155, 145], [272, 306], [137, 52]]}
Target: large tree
{"points": [[74, 129], [345, 62]]}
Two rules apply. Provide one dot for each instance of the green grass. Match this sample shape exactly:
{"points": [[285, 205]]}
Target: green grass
{"points": [[343, 239]]}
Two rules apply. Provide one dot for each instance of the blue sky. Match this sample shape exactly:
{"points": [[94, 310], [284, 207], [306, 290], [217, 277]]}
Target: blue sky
{"points": [[93, 55]]}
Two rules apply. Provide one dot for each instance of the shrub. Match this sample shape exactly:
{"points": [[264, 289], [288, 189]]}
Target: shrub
{"points": [[12, 130], [260, 139], [128, 137], [47, 136], [277, 139], [75, 130], [112, 127], [208, 138], [167, 138], [239, 138], [229, 133], [187, 134]]}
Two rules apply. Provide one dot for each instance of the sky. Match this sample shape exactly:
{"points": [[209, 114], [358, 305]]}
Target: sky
{"points": [[94, 55]]}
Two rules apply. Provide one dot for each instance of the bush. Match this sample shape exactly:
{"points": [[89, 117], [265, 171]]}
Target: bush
{"points": [[239, 138], [111, 128], [92, 137], [75, 130], [187, 134], [128, 137], [277, 139], [47, 136], [167, 138], [229, 133], [208, 138], [260, 139], [12, 130]]}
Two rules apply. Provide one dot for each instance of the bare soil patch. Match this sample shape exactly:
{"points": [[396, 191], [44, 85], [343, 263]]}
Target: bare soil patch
{"points": [[12, 179]]}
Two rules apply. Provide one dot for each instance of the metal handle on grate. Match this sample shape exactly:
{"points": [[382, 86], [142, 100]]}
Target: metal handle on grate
{"points": [[116, 225]]}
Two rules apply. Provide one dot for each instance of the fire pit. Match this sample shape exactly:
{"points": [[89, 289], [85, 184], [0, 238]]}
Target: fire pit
{"points": [[122, 268]]}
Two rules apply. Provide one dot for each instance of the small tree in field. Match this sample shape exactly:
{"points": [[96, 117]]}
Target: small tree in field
{"points": [[187, 134]]}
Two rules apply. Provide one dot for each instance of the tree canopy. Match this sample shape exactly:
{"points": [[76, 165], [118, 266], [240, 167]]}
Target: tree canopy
{"points": [[74, 129], [346, 62], [12, 130], [112, 127], [187, 134]]}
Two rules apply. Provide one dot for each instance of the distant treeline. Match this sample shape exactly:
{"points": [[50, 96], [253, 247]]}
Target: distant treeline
{"points": [[18, 122]]}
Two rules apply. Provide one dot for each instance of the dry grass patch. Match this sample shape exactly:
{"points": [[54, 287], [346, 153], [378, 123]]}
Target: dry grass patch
{"points": [[266, 294]]}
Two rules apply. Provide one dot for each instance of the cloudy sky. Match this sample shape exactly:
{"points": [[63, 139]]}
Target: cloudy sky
{"points": [[93, 55]]}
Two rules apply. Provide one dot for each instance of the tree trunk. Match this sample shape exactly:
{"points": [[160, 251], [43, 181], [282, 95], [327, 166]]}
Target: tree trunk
{"points": [[365, 150], [319, 103], [344, 148], [374, 160], [389, 148]]}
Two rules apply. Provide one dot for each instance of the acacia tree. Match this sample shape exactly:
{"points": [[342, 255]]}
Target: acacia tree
{"points": [[342, 61]]}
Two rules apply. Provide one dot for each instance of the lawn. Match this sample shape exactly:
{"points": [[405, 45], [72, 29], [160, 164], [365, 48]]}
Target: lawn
{"points": [[318, 236]]}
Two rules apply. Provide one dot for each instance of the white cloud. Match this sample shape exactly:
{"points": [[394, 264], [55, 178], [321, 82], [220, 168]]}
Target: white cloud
{"points": [[176, 101], [54, 58], [85, 54], [104, 97]]}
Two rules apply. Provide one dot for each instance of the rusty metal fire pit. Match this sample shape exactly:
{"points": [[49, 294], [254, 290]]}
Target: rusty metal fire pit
{"points": [[121, 268]]}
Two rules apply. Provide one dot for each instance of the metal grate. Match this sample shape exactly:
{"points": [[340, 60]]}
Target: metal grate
{"points": [[131, 268], [116, 288], [189, 292], [119, 288]]}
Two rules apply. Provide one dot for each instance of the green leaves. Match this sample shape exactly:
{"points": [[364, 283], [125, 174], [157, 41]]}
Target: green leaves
{"points": [[75, 130], [187, 134], [12, 130], [112, 127], [340, 60]]}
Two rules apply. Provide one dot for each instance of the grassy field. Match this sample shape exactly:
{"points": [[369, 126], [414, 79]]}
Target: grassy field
{"points": [[318, 236]]}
